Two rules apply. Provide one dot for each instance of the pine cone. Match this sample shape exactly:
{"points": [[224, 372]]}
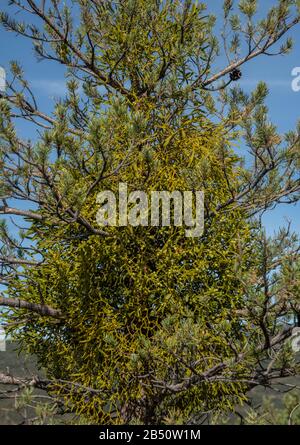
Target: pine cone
{"points": [[235, 75]]}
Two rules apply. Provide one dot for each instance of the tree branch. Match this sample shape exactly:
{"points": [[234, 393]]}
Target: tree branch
{"points": [[250, 56], [41, 309], [4, 210]]}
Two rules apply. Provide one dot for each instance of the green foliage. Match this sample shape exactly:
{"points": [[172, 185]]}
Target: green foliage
{"points": [[143, 306], [143, 324]]}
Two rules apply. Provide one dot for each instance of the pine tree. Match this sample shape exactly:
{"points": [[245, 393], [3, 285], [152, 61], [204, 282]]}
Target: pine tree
{"points": [[143, 324]]}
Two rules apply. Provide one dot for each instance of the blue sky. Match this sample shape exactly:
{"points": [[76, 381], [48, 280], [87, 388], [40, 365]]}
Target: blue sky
{"points": [[47, 80]]}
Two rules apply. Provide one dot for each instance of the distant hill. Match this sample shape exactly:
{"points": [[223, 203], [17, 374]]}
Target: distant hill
{"points": [[17, 365]]}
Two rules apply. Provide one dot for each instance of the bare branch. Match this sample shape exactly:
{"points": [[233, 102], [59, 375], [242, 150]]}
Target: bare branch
{"points": [[41, 309]]}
